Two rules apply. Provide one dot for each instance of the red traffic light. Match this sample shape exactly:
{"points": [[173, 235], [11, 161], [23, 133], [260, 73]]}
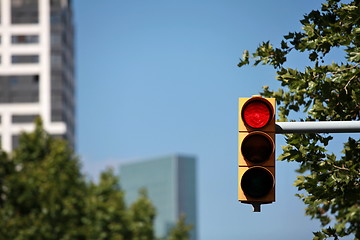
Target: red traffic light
{"points": [[256, 113], [256, 160]]}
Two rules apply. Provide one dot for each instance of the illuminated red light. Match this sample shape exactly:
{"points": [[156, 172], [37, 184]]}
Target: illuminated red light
{"points": [[256, 114]]}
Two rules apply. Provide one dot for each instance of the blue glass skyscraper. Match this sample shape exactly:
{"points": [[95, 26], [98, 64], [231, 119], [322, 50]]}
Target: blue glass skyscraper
{"points": [[171, 185]]}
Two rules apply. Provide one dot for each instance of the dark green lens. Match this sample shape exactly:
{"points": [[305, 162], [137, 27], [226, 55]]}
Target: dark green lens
{"points": [[257, 182]]}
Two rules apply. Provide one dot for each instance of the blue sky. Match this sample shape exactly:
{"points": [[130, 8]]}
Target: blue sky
{"points": [[160, 77]]}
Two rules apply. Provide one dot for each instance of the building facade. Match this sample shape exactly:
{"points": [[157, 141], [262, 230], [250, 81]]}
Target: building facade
{"points": [[36, 69], [170, 182]]}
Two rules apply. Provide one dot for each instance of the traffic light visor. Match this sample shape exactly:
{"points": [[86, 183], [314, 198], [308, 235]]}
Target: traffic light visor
{"points": [[257, 182], [257, 113]]}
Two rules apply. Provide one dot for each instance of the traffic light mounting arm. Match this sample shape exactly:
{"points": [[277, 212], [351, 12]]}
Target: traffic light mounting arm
{"points": [[318, 127]]}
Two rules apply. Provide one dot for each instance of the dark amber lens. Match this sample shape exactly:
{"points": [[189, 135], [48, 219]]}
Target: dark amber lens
{"points": [[257, 148], [257, 182]]}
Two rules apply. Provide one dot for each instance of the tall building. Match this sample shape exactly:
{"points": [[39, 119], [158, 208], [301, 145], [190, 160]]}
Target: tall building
{"points": [[36, 68], [171, 185]]}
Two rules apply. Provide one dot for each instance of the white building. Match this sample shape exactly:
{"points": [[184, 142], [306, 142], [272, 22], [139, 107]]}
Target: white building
{"points": [[36, 68]]}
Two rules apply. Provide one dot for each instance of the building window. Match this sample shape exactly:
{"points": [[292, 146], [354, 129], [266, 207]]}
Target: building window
{"points": [[56, 60], [24, 118], [15, 141], [16, 59], [24, 11], [56, 38], [24, 39], [55, 18], [19, 89], [58, 113], [55, 3]]}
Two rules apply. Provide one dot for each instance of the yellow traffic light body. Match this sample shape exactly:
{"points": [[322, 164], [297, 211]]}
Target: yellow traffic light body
{"points": [[256, 150]]}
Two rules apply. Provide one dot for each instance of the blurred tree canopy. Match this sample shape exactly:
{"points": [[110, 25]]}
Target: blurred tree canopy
{"points": [[43, 195], [324, 92], [181, 231]]}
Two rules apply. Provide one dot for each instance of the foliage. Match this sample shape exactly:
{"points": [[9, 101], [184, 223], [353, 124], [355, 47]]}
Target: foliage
{"points": [[107, 216], [325, 92], [43, 195], [142, 217], [181, 230], [42, 191]]}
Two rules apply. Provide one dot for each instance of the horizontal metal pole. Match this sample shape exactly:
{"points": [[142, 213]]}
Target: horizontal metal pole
{"points": [[318, 127]]}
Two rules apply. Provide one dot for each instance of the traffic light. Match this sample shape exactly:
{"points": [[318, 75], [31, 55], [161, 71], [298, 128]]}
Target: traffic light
{"points": [[256, 151]]}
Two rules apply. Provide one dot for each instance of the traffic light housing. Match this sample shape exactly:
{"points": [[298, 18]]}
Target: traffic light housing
{"points": [[256, 151]]}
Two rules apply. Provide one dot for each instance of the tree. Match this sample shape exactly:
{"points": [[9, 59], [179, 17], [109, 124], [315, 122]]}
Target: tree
{"points": [[181, 231], [106, 214], [42, 190], [142, 215], [325, 92], [44, 195]]}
